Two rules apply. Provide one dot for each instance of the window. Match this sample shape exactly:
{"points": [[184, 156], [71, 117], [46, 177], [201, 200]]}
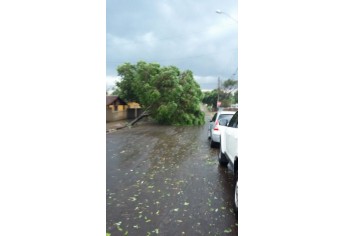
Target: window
{"points": [[225, 116], [234, 121], [214, 118]]}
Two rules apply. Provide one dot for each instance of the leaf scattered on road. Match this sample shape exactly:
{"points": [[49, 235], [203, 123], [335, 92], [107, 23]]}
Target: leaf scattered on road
{"points": [[119, 228]]}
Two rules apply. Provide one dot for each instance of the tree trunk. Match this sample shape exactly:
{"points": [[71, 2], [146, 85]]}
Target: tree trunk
{"points": [[144, 114]]}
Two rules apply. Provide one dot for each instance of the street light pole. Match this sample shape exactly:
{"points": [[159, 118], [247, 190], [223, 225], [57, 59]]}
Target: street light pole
{"points": [[218, 92], [224, 13]]}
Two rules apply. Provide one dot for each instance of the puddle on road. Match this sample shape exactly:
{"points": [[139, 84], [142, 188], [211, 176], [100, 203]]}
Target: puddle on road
{"points": [[164, 180]]}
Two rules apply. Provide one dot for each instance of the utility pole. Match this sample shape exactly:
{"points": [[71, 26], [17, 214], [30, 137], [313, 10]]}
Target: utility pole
{"points": [[218, 91]]}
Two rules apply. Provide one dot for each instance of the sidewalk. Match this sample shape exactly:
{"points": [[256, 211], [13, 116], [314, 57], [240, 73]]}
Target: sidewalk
{"points": [[111, 126]]}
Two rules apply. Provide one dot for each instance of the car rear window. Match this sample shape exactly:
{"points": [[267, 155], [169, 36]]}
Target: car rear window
{"points": [[225, 116], [234, 121], [214, 117]]}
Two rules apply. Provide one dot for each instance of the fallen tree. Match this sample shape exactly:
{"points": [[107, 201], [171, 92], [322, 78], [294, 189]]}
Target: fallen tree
{"points": [[167, 95], [142, 115]]}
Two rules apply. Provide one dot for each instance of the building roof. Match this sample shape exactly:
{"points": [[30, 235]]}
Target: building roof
{"points": [[112, 99]]}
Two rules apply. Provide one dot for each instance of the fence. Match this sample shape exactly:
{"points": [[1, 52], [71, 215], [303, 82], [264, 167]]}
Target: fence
{"points": [[130, 113], [116, 115], [133, 113]]}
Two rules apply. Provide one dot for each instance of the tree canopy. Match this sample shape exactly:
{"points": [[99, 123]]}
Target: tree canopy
{"points": [[225, 95], [210, 98], [229, 84], [169, 95]]}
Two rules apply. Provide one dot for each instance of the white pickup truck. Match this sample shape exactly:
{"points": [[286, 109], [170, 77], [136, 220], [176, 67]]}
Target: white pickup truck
{"points": [[228, 151]]}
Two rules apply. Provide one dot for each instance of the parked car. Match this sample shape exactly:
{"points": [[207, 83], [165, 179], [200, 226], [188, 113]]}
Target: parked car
{"points": [[220, 119], [228, 151]]}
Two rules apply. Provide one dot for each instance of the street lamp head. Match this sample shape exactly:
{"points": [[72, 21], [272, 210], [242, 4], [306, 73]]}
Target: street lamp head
{"points": [[226, 14]]}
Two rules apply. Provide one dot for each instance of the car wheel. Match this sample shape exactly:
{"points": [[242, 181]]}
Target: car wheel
{"points": [[221, 157], [236, 196], [212, 144], [208, 134]]}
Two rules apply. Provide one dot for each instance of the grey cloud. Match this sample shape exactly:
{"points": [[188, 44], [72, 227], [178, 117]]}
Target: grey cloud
{"points": [[184, 33]]}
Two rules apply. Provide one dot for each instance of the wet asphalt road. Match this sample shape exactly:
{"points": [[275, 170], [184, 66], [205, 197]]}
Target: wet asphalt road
{"points": [[165, 180]]}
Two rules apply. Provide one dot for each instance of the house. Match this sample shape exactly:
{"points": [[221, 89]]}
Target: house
{"points": [[116, 109], [133, 105], [134, 110], [116, 104]]}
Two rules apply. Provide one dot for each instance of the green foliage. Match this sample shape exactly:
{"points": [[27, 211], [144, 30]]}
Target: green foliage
{"points": [[172, 96], [116, 92], [210, 98], [226, 98], [229, 83], [236, 97], [127, 87]]}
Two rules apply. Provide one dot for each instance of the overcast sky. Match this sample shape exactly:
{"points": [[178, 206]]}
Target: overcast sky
{"points": [[188, 34]]}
